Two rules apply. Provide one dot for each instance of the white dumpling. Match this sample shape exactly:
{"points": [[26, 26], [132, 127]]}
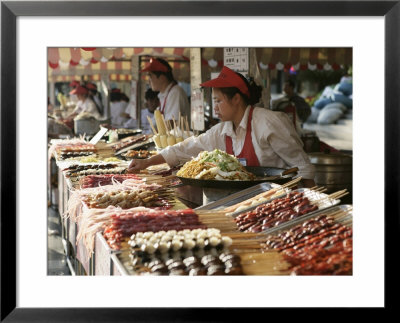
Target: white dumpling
{"points": [[226, 241], [200, 243], [163, 247], [214, 241], [176, 245], [189, 244], [202, 235], [148, 234]]}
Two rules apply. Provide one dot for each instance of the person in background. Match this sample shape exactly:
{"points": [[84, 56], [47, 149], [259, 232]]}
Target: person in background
{"points": [[303, 110], [117, 108], [151, 104], [84, 105], [73, 85], [95, 96], [173, 98], [258, 136]]}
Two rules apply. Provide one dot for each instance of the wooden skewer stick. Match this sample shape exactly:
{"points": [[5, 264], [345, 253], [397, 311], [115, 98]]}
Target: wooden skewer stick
{"points": [[187, 126], [175, 130], [180, 127], [166, 124], [152, 126]]}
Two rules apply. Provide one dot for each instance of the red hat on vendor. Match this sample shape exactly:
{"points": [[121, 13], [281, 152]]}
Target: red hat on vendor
{"points": [[91, 86], [79, 90], [228, 78], [156, 65], [74, 84]]}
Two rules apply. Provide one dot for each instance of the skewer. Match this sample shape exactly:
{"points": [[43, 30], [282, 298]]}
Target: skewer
{"points": [[165, 124], [175, 130], [152, 126], [187, 126], [179, 123], [194, 131]]}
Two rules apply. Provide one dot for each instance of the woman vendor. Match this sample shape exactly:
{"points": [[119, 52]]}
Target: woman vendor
{"points": [[85, 105], [260, 136]]}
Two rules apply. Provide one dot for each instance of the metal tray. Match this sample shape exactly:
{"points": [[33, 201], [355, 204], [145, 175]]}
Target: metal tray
{"points": [[264, 174], [238, 197], [312, 196]]}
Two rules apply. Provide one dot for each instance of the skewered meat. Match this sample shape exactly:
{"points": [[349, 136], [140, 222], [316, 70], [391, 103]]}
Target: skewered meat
{"points": [[106, 179], [124, 225], [274, 213], [318, 246]]}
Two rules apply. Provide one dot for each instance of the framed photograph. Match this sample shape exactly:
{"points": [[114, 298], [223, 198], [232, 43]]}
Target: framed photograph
{"points": [[29, 28]]}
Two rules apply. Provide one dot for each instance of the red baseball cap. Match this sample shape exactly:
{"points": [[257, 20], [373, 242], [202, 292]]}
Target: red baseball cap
{"points": [[91, 86], [228, 78], [156, 66], [74, 84], [79, 90], [115, 90]]}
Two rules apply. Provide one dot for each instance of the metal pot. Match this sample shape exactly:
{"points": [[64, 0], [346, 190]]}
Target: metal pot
{"points": [[333, 170]]}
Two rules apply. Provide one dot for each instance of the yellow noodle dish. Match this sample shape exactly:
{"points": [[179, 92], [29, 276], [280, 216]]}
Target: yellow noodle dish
{"points": [[215, 165]]}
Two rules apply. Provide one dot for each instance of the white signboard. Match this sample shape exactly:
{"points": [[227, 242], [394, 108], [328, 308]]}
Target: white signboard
{"points": [[197, 110], [195, 67], [237, 59], [98, 135]]}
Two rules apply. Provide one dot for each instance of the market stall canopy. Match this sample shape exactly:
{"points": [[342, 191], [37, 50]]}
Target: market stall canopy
{"points": [[66, 64]]}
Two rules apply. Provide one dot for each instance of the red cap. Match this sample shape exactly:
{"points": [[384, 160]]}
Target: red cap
{"points": [[115, 90], [91, 86], [74, 84], [79, 90], [155, 66], [228, 78]]}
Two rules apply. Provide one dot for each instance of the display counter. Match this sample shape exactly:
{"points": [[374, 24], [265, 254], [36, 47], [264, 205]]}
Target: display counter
{"points": [[236, 231]]}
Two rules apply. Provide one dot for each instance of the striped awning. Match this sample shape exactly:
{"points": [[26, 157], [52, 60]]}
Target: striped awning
{"points": [[67, 64], [72, 63]]}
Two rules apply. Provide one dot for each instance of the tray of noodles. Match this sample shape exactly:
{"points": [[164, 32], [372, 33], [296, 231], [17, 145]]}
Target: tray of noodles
{"points": [[217, 169]]}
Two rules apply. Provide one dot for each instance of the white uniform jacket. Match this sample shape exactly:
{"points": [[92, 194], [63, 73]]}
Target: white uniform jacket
{"points": [[275, 140]]}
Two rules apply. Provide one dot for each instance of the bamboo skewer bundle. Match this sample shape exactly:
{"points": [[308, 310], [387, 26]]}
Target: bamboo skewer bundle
{"points": [[330, 197]]}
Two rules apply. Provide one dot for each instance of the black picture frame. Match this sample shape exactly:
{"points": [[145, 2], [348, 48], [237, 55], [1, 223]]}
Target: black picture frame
{"points": [[10, 10]]}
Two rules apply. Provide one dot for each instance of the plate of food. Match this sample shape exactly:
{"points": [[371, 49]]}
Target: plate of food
{"points": [[217, 169]]}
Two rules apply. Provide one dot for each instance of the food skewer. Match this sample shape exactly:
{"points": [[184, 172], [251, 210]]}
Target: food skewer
{"points": [[152, 126]]}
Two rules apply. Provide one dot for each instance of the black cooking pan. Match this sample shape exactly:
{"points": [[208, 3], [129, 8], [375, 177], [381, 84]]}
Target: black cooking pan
{"points": [[263, 174]]}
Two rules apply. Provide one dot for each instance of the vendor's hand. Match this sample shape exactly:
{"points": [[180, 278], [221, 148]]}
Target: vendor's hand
{"points": [[137, 165]]}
